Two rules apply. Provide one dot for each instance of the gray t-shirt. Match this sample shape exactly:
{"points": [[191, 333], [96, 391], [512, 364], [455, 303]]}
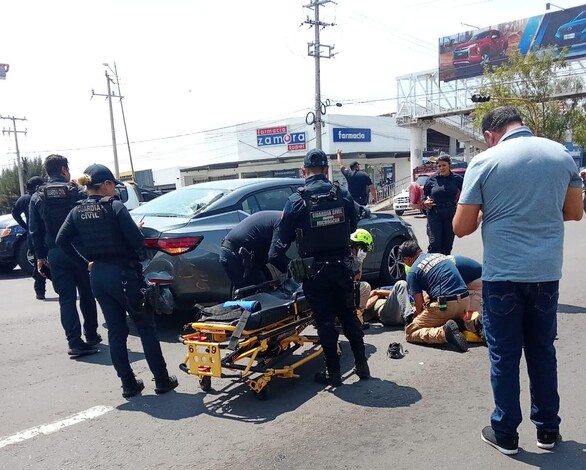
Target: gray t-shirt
{"points": [[521, 184]]}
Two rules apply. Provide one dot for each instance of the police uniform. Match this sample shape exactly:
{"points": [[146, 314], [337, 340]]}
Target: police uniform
{"points": [[321, 216], [112, 241], [443, 190], [21, 206], [250, 245], [49, 207]]}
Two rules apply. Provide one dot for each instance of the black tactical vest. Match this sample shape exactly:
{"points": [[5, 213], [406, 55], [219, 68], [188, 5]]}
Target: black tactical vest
{"points": [[97, 225], [59, 198], [326, 231]]}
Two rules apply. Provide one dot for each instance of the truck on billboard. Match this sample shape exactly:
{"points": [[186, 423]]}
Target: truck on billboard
{"points": [[466, 54]]}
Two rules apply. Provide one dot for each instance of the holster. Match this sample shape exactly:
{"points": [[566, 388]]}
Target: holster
{"points": [[301, 269], [247, 260]]}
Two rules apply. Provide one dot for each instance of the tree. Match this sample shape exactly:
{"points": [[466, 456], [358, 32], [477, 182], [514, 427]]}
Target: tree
{"points": [[9, 187], [531, 82]]}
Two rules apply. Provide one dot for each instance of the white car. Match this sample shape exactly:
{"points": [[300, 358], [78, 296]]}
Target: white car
{"points": [[401, 202]]}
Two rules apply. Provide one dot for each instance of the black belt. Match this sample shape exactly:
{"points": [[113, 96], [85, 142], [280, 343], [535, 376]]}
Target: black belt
{"points": [[451, 298], [231, 246]]}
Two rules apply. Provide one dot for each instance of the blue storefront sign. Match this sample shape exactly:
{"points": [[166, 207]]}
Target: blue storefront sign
{"points": [[348, 134]]}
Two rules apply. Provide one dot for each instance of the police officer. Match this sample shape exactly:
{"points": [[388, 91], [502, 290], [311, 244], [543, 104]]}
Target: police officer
{"points": [[321, 216], [110, 243], [250, 245], [440, 196], [22, 207], [48, 209]]}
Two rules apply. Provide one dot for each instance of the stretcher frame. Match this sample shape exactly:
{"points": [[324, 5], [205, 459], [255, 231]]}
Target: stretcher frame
{"points": [[256, 357]]}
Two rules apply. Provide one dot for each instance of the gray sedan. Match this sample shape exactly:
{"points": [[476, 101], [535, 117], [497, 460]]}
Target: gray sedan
{"points": [[184, 230]]}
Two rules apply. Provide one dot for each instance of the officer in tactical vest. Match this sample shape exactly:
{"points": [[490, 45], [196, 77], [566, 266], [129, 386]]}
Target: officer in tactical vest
{"points": [[110, 243], [321, 216], [22, 207], [48, 209]]}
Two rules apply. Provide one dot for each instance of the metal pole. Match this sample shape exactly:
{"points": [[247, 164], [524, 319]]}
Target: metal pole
{"points": [[18, 163], [124, 121], [116, 169], [318, 123]]}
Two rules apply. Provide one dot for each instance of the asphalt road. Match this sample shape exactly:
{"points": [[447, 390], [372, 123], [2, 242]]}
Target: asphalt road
{"points": [[425, 410]]}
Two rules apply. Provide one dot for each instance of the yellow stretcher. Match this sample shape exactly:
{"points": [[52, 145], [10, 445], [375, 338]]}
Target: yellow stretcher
{"points": [[254, 347]]}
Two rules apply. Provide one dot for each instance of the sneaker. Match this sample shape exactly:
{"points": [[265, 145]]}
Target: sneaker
{"points": [[92, 340], [508, 445], [547, 439], [324, 378], [165, 385], [454, 336], [40, 296], [362, 370], [83, 349], [132, 386]]}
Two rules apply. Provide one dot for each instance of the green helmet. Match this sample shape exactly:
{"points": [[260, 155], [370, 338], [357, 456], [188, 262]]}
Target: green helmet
{"points": [[364, 237]]}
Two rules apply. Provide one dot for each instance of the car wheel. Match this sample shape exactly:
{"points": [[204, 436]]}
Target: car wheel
{"points": [[7, 267], [399, 213], [392, 267], [485, 60], [25, 258]]}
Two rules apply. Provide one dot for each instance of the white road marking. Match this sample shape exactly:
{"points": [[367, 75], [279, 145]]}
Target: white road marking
{"points": [[56, 426]]}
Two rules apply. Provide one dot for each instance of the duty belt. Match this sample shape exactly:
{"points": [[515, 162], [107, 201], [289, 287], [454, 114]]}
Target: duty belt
{"points": [[230, 246], [450, 298]]}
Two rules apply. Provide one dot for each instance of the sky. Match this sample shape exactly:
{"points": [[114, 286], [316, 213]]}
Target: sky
{"points": [[188, 66]]}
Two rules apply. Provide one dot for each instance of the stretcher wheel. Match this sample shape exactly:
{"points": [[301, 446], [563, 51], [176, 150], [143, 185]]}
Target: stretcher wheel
{"points": [[263, 394], [205, 383]]}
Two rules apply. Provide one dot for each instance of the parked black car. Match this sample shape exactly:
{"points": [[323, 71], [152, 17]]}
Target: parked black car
{"points": [[184, 230], [13, 246]]}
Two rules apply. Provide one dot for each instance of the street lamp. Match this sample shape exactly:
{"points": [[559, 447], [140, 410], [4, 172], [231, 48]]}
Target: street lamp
{"points": [[480, 98], [310, 117], [549, 5]]}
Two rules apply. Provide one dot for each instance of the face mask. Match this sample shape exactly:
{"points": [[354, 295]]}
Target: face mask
{"points": [[361, 255]]}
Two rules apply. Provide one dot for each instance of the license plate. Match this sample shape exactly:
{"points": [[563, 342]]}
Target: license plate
{"points": [[569, 36]]}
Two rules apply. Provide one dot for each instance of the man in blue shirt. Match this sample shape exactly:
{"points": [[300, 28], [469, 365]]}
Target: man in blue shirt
{"points": [[523, 236], [359, 183], [436, 275]]}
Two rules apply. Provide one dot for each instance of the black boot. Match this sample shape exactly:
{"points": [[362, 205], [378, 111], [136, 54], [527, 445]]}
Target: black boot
{"points": [[362, 370], [331, 376], [131, 386], [165, 384]]}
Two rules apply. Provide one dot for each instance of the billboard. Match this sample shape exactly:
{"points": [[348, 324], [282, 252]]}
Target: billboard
{"points": [[465, 55]]}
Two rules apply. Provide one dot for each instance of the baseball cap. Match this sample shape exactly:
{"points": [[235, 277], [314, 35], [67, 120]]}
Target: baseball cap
{"points": [[315, 157], [100, 173], [354, 164]]}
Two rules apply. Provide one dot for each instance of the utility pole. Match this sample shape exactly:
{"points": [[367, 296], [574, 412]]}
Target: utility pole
{"points": [[124, 121], [317, 50], [109, 97], [16, 132]]}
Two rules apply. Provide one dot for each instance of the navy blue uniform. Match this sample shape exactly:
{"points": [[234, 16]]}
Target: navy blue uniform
{"points": [[325, 235], [21, 206], [112, 241], [358, 184], [444, 191], [258, 234], [68, 278]]}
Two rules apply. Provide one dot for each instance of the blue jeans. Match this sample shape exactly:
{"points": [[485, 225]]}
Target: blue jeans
{"points": [[106, 282], [69, 278], [516, 316]]}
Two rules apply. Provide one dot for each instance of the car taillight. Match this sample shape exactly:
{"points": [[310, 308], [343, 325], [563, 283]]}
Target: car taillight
{"points": [[5, 232], [173, 246]]}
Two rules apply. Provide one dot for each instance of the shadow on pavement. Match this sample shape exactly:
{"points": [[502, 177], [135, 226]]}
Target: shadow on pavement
{"points": [[14, 274], [564, 308], [103, 357], [233, 400], [568, 455]]}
